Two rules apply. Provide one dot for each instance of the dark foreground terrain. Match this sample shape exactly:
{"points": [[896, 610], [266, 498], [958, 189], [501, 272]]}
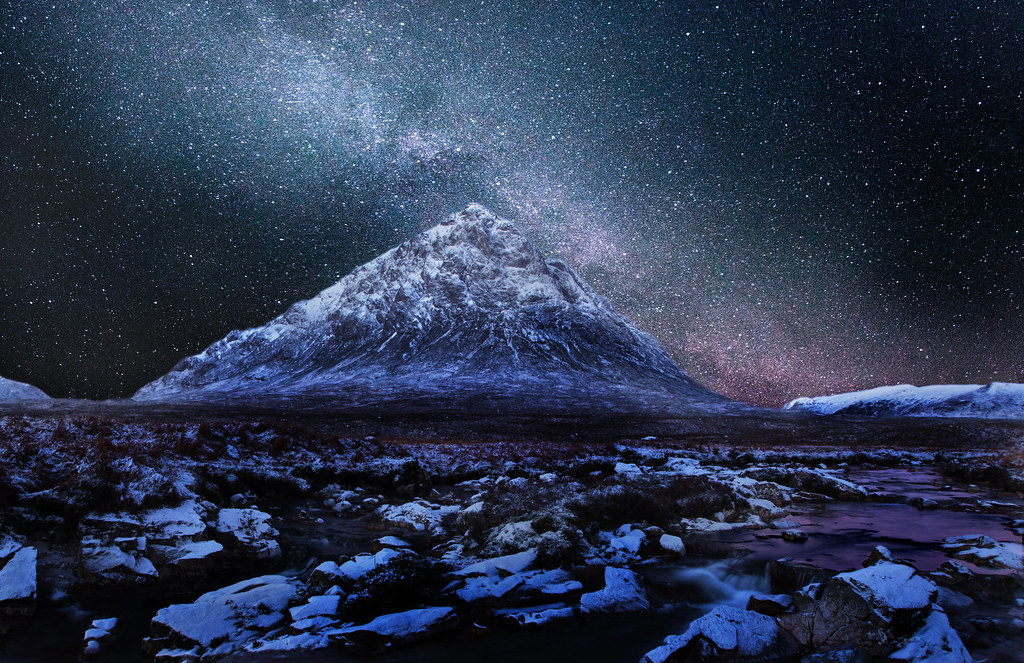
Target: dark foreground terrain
{"points": [[177, 533]]}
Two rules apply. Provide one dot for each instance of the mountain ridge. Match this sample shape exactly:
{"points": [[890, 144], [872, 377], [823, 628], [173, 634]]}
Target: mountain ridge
{"points": [[996, 400], [11, 390]]}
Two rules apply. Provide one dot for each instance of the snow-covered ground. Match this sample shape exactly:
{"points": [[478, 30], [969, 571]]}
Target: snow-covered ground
{"points": [[996, 400]]}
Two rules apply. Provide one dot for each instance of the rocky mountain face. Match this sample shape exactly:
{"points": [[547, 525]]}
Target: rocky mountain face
{"points": [[996, 400], [467, 314], [19, 391]]}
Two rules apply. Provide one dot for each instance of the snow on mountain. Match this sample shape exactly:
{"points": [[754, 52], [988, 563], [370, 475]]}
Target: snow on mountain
{"points": [[996, 400], [468, 312], [19, 391]]}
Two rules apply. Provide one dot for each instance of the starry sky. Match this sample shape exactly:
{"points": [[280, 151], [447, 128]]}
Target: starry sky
{"points": [[794, 198]]}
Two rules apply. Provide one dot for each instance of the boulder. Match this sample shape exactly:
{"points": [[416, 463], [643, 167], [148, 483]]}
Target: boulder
{"points": [[622, 592], [872, 607], [794, 535], [726, 635], [17, 580], [221, 621]]}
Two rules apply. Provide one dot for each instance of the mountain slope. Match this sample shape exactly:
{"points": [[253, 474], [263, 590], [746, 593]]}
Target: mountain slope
{"points": [[468, 314], [19, 391], [997, 400]]}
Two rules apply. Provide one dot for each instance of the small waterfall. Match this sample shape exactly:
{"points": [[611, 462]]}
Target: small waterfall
{"points": [[718, 583]]}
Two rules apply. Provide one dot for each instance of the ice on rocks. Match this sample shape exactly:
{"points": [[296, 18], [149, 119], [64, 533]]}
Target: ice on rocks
{"points": [[622, 592]]}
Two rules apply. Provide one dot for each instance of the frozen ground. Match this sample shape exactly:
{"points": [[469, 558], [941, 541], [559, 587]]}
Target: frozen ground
{"points": [[249, 538]]}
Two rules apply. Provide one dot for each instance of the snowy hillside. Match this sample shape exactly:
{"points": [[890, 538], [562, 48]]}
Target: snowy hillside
{"points": [[997, 400], [466, 311], [19, 391]]}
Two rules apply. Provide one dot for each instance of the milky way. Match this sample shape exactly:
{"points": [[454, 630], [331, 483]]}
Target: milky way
{"points": [[793, 200]]}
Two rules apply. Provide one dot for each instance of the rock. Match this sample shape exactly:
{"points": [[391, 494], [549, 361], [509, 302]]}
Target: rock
{"points": [[628, 469], [531, 583], [879, 554], [536, 615], [951, 573], [622, 592], [388, 630], [950, 598], [316, 606], [250, 529], [673, 544], [984, 551], [871, 607], [771, 605], [726, 635], [513, 537], [924, 503], [935, 642], [418, 515], [221, 621], [390, 542], [331, 573], [509, 564], [794, 535], [788, 575], [119, 562], [17, 579]]}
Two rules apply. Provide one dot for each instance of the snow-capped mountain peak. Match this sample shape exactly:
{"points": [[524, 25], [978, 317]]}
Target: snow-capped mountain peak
{"points": [[466, 308]]}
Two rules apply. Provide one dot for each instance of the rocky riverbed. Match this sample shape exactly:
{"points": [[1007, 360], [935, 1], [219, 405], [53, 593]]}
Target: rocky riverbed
{"points": [[256, 541]]}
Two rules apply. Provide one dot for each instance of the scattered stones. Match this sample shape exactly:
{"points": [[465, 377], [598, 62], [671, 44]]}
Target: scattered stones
{"points": [[794, 535]]}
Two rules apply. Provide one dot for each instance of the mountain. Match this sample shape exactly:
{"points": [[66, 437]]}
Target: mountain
{"points": [[997, 400], [467, 316], [19, 391]]}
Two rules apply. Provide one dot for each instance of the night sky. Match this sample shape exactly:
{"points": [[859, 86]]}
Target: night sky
{"points": [[794, 198]]}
